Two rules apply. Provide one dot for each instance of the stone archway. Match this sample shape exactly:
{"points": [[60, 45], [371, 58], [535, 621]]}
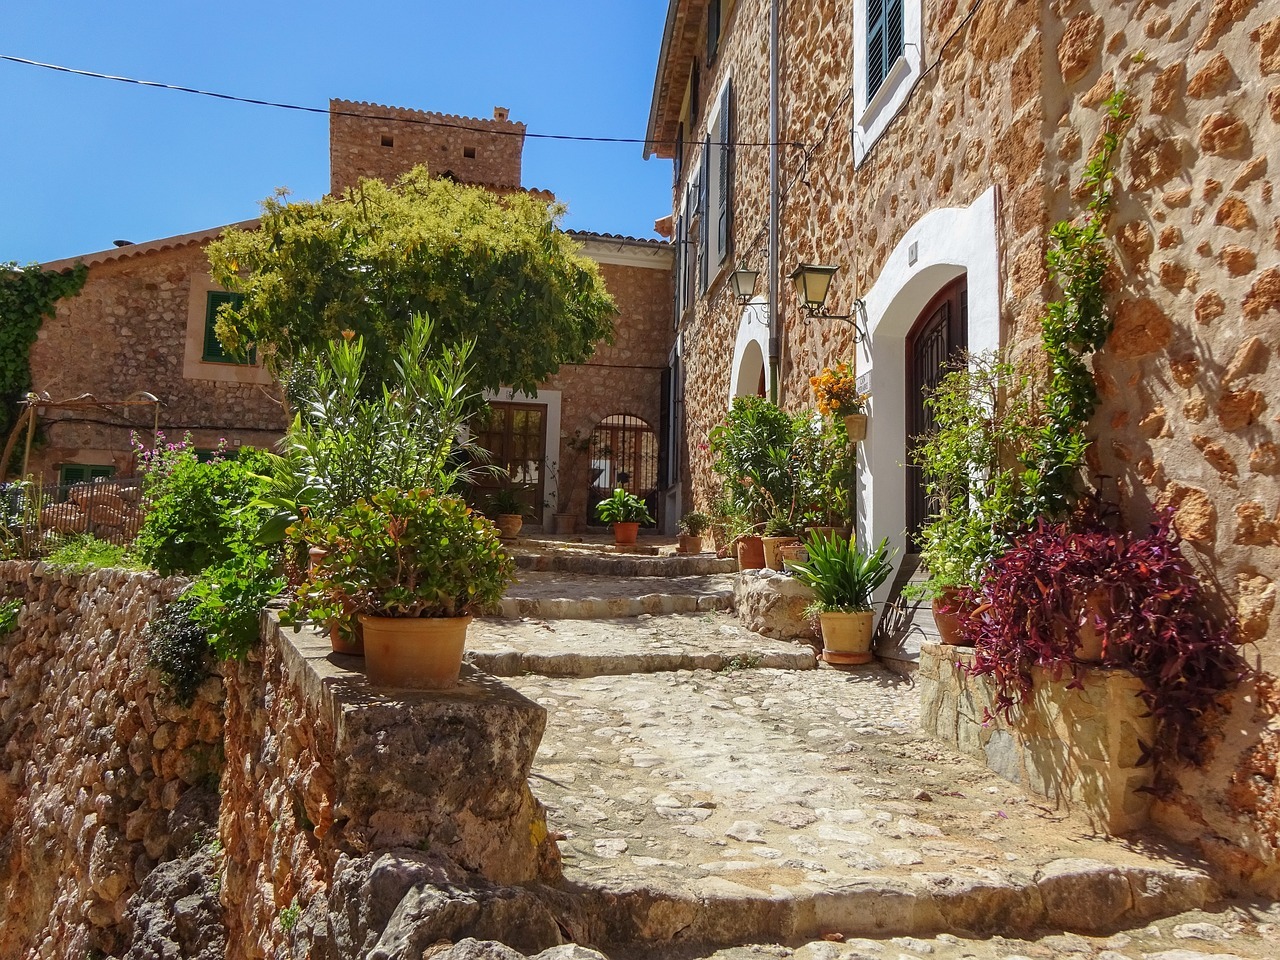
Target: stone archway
{"points": [[749, 375]]}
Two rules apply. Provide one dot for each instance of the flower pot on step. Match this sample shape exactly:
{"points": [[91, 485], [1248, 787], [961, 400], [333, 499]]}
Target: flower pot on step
{"points": [[846, 637], [625, 533], [351, 644], [566, 522], [417, 653], [750, 553], [688, 543], [508, 525]]}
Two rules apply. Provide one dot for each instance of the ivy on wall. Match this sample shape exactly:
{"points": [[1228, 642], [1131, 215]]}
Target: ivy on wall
{"points": [[27, 296], [1074, 327]]}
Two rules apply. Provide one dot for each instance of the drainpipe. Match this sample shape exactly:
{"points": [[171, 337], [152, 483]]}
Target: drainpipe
{"points": [[775, 305]]}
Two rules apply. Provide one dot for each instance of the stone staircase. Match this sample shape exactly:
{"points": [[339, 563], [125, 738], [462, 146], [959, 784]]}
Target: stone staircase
{"points": [[709, 785]]}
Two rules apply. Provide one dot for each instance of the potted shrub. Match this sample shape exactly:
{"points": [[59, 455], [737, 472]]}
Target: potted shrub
{"points": [[507, 512], [778, 532], [625, 511], [843, 578], [692, 525], [414, 566], [835, 391]]}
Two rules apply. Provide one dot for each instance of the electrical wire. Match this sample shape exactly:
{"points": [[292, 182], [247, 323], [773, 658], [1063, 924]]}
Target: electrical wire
{"points": [[421, 120]]}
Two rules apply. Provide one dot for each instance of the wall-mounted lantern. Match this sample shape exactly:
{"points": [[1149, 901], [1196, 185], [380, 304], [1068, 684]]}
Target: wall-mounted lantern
{"points": [[813, 282], [743, 281]]}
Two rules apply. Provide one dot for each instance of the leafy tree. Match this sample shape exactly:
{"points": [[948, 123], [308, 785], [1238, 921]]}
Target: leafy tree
{"points": [[486, 268]]}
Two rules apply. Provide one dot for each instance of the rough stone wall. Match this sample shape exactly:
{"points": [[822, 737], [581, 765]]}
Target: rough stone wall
{"points": [[624, 377], [1188, 378], [327, 776], [975, 119], [1077, 747], [96, 759], [385, 142], [126, 332]]}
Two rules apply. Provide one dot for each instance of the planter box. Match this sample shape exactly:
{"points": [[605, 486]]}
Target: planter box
{"points": [[1078, 748]]}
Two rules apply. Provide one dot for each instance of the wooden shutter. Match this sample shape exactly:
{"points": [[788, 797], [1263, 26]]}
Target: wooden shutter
{"points": [[679, 165], [725, 212], [664, 432], [704, 215], [893, 33], [677, 234], [713, 30], [875, 46], [213, 351], [693, 96]]}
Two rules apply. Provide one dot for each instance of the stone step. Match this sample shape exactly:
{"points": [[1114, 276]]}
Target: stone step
{"points": [[645, 644], [594, 563], [560, 596], [761, 805]]}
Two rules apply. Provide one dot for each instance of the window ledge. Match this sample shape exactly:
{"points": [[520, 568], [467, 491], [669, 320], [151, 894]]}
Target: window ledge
{"points": [[871, 122]]}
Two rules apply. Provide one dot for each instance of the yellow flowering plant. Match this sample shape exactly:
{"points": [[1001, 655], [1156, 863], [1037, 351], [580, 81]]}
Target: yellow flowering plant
{"points": [[836, 391]]}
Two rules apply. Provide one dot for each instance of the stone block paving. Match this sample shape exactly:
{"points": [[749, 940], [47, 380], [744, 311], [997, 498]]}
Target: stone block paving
{"points": [[645, 644], [560, 595]]}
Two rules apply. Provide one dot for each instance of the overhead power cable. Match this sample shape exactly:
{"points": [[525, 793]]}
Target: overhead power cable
{"points": [[423, 121]]}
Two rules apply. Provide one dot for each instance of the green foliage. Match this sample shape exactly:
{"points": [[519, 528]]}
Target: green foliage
{"points": [[348, 443], [199, 512], [290, 915], [1074, 327], [10, 610], [694, 524], [230, 596], [406, 553], [622, 507], [793, 470], [491, 269], [178, 649], [87, 552], [842, 576], [985, 419], [27, 296], [505, 501]]}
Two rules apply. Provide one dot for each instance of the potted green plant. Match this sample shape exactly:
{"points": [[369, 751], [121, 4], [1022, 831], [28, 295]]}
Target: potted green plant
{"points": [[779, 531], [507, 512], [625, 511], [414, 567], [692, 525], [843, 578]]}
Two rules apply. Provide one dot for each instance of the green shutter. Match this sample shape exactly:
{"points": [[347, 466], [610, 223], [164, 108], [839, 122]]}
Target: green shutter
{"points": [[213, 351], [72, 473], [885, 41]]}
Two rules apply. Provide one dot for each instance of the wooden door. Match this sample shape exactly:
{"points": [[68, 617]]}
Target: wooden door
{"points": [[936, 342], [516, 436]]}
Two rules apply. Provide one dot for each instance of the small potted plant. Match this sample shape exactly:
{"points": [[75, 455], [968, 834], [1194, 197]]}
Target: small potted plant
{"points": [[625, 511], [843, 578], [692, 525], [835, 391], [414, 566], [779, 532], [507, 512]]}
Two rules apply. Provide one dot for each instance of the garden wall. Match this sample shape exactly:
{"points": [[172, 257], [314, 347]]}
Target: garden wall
{"points": [[102, 777], [353, 819], [1079, 748]]}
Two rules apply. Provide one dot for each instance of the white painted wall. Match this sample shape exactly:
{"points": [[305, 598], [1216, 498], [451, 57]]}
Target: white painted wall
{"points": [[750, 351], [949, 243]]}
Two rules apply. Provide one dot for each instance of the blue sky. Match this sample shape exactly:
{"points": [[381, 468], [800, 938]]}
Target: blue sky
{"points": [[84, 162]]}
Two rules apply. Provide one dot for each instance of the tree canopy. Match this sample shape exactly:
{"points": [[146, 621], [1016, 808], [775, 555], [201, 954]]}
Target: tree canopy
{"points": [[496, 269]]}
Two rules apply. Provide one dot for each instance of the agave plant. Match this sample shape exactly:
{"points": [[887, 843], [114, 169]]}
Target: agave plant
{"points": [[842, 576]]}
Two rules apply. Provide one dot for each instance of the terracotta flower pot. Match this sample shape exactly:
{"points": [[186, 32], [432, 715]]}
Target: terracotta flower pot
{"points": [[566, 522], [625, 533], [688, 543], [351, 646], [417, 653], [509, 525], [772, 558], [855, 425], [948, 612], [846, 637], [750, 553]]}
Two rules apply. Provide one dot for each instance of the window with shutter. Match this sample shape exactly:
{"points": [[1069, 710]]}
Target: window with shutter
{"points": [[71, 473], [213, 351], [725, 207], [704, 216], [679, 164], [884, 40]]}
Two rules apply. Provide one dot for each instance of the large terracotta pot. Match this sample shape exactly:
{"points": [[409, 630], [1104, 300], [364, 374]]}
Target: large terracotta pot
{"points": [[566, 522], [855, 425], [948, 612], [689, 543], [846, 637], [772, 558], [509, 525], [625, 533], [352, 645], [418, 653], [750, 553]]}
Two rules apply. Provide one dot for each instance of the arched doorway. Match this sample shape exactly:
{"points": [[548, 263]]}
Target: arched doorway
{"points": [[938, 338], [624, 453], [750, 381]]}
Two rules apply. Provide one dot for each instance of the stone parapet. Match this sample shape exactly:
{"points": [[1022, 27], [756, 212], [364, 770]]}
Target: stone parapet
{"points": [[772, 604], [1078, 747], [326, 771]]}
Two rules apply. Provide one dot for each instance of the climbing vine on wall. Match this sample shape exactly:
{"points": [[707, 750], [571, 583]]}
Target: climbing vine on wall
{"points": [[27, 296], [1075, 326]]}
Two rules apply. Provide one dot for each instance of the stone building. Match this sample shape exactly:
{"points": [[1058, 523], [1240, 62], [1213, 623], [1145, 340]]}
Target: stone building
{"points": [[143, 324], [926, 148]]}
